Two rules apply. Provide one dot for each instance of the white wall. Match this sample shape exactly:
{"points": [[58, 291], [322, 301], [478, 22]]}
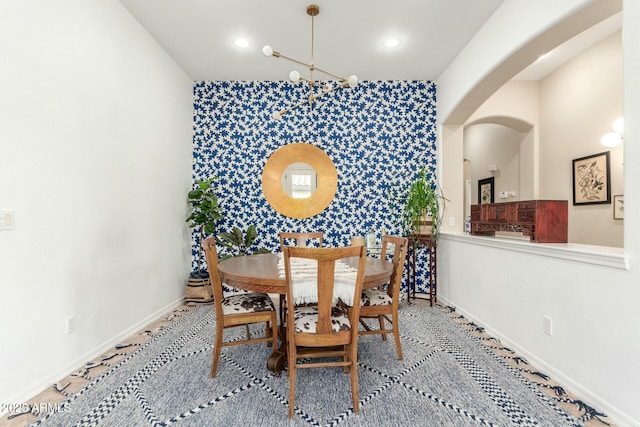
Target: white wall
{"points": [[578, 103], [95, 153], [594, 348]]}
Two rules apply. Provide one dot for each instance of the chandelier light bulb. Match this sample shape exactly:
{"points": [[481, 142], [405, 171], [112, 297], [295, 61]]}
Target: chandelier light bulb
{"points": [[294, 76], [353, 81], [267, 51]]}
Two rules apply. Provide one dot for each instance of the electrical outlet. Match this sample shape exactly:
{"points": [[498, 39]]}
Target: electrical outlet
{"points": [[71, 324], [547, 325], [452, 220]]}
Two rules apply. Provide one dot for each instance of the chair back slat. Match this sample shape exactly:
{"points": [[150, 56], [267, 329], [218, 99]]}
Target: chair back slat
{"points": [[302, 239], [326, 283]]}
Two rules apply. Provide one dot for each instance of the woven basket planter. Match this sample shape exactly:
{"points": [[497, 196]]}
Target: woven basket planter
{"points": [[198, 291]]}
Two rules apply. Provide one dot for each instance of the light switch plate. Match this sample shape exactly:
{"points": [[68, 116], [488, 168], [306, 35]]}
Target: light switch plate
{"points": [[7, 220]]}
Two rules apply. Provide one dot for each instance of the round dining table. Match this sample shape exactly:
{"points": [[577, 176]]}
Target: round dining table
{"points": [[259, 273]]}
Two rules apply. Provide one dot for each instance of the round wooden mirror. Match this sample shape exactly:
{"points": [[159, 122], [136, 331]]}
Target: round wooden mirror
{"points": [[327, 180]]}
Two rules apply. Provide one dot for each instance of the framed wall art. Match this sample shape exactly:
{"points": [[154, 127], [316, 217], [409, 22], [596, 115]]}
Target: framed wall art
{"points": [[485, 190], [618, 206], [591, 179]]}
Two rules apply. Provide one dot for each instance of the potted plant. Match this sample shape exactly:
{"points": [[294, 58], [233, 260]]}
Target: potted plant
{"points": [[238, 243], [422, 209], [204, 215]]}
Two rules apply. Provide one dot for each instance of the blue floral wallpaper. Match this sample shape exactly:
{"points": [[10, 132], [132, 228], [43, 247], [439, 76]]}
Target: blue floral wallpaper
{"points": [[378, 135]]}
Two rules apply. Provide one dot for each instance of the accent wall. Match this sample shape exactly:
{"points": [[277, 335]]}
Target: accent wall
{"points": [[378, 135]]}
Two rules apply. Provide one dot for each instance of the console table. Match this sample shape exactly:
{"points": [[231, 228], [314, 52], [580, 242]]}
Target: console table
{"points": [[417, 241], [544, 221]]}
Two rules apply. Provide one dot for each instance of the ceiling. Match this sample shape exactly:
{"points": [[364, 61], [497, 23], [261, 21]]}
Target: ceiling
{"points": [[348, 38]]}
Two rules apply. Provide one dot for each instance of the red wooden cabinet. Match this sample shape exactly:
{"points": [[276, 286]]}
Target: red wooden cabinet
{"points": [[544, 221]]}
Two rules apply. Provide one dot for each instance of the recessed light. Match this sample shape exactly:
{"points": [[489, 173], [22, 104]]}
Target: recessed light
{"points": [[241, 43], [391, 43]]}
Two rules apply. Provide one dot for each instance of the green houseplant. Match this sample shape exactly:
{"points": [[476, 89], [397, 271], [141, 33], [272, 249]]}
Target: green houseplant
{"points": [[204, 216], [205, 213], [422, 202], [238, 243]]}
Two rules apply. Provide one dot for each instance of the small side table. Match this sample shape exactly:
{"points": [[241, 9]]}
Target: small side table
{"points": [[417, 241]]}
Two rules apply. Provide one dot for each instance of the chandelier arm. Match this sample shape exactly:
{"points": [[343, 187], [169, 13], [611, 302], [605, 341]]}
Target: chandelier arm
{"points": [[313, 97], [329, 74], [293, 107], [292, 60], [334, 88]]}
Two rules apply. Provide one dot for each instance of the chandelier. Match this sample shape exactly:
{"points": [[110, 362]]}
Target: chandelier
{"points": [[312, 10]]}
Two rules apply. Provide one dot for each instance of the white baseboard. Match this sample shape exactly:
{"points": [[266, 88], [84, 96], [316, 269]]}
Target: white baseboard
{"points": [[38, 387], [620, 418]]}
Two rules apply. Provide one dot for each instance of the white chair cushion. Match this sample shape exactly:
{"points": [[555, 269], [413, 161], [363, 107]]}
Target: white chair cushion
{"points": [[306, 319], [375, 297], [247, 303]]}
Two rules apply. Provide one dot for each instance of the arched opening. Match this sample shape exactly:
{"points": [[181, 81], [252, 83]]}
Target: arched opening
{"points": [[561, 117]]}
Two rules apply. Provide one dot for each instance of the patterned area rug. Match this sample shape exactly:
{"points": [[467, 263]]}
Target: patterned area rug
{"points": [[452, 374]]}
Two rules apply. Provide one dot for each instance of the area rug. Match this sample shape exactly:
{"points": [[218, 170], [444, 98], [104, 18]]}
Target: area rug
{"points": [[452, 375]]}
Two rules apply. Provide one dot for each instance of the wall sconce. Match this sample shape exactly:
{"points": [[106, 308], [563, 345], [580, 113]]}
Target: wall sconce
{"points": [[615, 138], [493, 168]]}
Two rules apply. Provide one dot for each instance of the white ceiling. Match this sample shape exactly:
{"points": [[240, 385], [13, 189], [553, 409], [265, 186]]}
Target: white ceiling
{"points": [[349, 36]]}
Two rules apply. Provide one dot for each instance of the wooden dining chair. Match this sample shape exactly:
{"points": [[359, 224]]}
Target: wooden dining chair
{"points": [[324, 329], [382, 302], [237, 310]]}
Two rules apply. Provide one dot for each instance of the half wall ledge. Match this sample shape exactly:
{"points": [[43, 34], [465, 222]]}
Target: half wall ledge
{"points": [[588, 254]]}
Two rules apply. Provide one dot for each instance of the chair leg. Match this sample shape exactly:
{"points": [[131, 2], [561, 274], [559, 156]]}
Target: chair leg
{"points": [[274, 332], [345, 359], [283, 305], [217, 348], [268, 331], [381, 321], [396, 334], [353, 356], [248, 331], [291, 370]]}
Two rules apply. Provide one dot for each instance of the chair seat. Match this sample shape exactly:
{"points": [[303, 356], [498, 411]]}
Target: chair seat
{"points": [[247, 303], [373, 297], [306, 319]]}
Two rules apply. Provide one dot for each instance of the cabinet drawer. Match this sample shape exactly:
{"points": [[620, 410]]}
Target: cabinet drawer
{"points": [[526, 212], [498, 212], [526, 215], [475, 213]]}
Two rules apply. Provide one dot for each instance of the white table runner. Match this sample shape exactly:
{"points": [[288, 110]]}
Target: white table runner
{"points": [[304, 278]]}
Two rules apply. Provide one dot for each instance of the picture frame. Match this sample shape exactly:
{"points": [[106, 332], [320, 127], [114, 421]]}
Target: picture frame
{"points": [[486, 190], [591, 179], [618, 206]]}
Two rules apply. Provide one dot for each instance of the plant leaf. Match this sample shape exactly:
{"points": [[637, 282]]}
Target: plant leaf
{"points": [[250, 236]]}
